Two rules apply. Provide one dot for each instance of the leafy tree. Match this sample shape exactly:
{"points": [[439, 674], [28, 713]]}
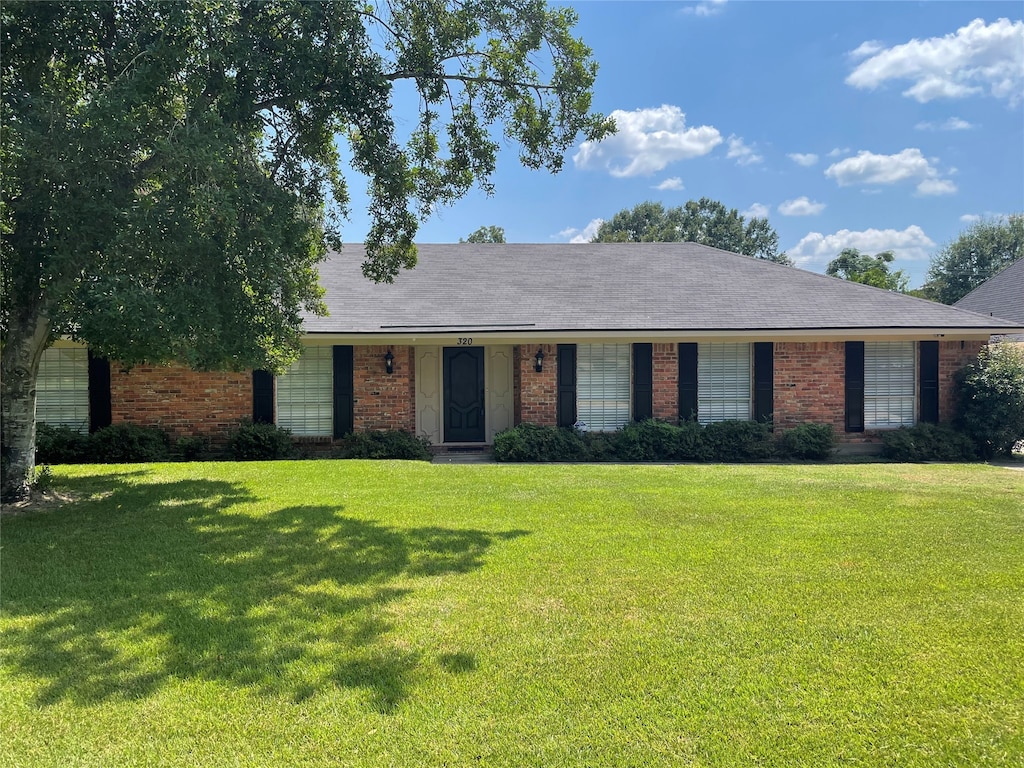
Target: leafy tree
{"points": [[490, 234], [173, 172], [703, 221], [858, 267], [990, 395], [976, 255]]}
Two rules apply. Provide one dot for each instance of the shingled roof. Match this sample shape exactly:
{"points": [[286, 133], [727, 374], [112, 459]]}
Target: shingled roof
{"points": [[615, 288], [1002, 295]]}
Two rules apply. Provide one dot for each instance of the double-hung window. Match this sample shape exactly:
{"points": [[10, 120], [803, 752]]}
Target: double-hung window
{"points": [[62, 388], [723, 382], [889, 384], [305, 394], [602, 386]]}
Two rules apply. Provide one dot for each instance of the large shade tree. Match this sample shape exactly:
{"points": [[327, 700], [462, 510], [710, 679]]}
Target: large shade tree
{"points": [[980, 251], [173, 172], [703, 221], [875, 270]]}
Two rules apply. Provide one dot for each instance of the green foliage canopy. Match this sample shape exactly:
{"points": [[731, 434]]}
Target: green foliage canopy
{"points": [[703, 221], [990, 394], [982, 250], [489, 234], [875, 270]]}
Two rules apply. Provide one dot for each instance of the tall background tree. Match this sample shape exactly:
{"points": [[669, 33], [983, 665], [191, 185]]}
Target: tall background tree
{"points": [[875, 270], [703, 221], [489, 234], [977, 254], [173, 172]]}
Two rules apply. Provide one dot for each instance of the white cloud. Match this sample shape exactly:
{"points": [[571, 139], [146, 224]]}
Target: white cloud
{"points": [[647, 140], [673, 184], [818, 249], [706, 8], [867, 48], [950, 124], [970, 218], [584, 235], [800, 158], [741, 153], [801, 207], [976, 57], [837, 152], [756, 211], [909, 165]]}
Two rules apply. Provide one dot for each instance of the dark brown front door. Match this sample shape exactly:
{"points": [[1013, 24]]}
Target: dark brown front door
{"points": [[464, 395]]}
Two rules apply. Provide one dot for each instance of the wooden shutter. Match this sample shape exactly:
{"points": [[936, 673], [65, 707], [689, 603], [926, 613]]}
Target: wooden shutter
{"points": [[764, 377], [929, 386], [643, 381], [262, 397], [344, 391], [99, 393], [854, 386], [566, 385], [687, 382]]}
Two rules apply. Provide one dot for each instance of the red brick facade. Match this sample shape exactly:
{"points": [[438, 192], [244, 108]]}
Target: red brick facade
{"points": [[537, 394], [809, 383], [953, 355], [384, 400], [666, 381], [182, 402]]}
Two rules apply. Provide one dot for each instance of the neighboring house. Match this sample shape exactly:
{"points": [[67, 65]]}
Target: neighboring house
{"points": [[1002, 296], [480, 337]]}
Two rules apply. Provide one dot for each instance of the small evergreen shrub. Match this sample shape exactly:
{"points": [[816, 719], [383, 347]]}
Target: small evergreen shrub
{"points": [[738, 441], [384, 444], [648, 440], [42, 479], [530, 442], [990, 399], [807, 441], [260, 442], [928, 442], [192, 448], [130, 443], [690, 444], [62, 445]]}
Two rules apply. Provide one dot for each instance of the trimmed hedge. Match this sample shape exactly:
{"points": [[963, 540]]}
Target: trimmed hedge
{"points": [[384, 444], [928, 442], [260, 442]]}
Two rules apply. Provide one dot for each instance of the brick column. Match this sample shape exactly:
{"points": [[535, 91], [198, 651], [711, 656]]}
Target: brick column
{"points": [[537, 393], [383, 400], [666, 381]]}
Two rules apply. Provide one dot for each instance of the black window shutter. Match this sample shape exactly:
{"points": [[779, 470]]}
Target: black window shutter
{"points": [[99, 392], [566, 385], [344, 391], [764, 376], [929, 373], [687, 382], [855, 386], [643, 381], [262, 397]]}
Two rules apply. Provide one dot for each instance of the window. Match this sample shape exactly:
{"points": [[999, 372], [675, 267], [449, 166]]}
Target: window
{"points": [[62, 388], [723, 382], [889, 384], [602, 386], [305, 394]]}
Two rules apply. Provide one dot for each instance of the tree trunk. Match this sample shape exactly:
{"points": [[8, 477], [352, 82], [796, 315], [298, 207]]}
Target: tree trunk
{"points": [[27, 337]]}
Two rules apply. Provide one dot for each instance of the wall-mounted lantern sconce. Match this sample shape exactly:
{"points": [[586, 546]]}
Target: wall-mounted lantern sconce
{"points": [[538, 361], [389, 362]]}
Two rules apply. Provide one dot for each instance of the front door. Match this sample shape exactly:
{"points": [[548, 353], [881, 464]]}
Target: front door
{"points": [[464, 395]]}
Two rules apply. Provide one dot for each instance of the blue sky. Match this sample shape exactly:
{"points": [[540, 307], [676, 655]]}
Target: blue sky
{"points": [[873, 125]]}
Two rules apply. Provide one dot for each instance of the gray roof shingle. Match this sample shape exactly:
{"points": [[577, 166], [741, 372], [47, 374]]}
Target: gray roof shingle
{"points": [[1002, 295], [612, 287]]}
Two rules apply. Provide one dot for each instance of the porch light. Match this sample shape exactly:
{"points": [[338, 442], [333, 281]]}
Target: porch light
{"points": [[538, 361], [389, 362]]}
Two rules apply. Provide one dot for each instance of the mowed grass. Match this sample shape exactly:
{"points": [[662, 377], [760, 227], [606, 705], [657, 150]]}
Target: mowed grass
{"points": [[402, 614]]}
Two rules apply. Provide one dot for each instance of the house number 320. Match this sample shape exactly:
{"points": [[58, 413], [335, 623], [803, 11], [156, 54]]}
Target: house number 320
{"points": [[465, 341]]}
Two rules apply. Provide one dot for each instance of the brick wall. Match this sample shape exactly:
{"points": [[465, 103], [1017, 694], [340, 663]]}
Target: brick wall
{"points": [[666, 381], [810, 384], [953, 357], [180, 401], [382, 400], [537, 393]]}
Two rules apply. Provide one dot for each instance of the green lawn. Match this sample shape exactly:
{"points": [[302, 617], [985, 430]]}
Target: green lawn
{"points": [[400, 614]]}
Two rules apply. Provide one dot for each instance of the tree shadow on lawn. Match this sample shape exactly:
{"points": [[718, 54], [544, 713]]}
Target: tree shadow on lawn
{"points": [[114, 597]]}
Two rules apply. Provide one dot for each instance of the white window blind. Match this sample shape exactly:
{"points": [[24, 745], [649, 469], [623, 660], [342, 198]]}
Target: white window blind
{"points": [[889, 384], [723, 382], [602, 386], [305, 394], [62, 388]]}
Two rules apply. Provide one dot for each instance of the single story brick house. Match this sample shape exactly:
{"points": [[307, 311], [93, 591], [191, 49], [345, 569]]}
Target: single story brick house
{"points": [[481, 337]]}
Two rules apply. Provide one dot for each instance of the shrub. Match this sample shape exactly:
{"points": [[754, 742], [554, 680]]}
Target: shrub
{"points": [[738, 441], [260, 442], [990, 399], [62, 445], [530, 442], [130, 443], [191, 448], [648, 440], [42, 479], [386, 444], [928, 442], [807, 441]]}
